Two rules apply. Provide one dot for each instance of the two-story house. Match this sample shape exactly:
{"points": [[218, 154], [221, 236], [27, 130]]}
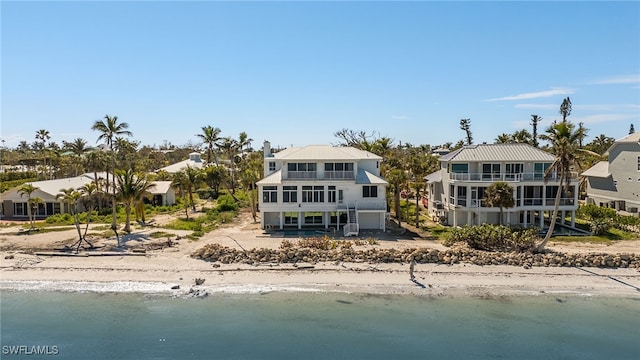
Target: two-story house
{"points": [[456, 191], [616, 183], [321, 186]]}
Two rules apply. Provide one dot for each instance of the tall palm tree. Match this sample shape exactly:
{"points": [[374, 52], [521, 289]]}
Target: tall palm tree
{"points": [[229, 147], [499, 194], [465, 125], [79, 148], [109, 128], [564, 139], [131, 187], [244, 143], [397, 178], [89, 191], [535, 120], [71, 196], [250, 172], [28, 189], [43, 135], [210, 136], [565, 108], [179, 182]]}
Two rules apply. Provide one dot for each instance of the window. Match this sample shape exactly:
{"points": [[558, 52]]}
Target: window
{"points": [[462, 196], [290, 218], [307, 194], [490, 171], [638, 163], [460, 168], [369, 191], [19, 208], [290, 194], [539, 169], [270, 194], [272, 166], [318, 194], [332, 194]]}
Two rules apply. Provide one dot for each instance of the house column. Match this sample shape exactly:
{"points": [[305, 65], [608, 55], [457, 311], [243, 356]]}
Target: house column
{"points": [[525, 213], [541, 219], [281, 220], [508, 218], [383, 220], [469, 220], [326, 217], [300, 219], [564, 215], [573, 218]]}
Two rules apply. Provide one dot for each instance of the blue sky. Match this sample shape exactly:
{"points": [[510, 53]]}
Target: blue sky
{"points": [[296, 72]]}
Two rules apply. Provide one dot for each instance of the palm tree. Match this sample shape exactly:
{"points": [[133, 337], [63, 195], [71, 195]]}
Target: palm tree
{"points": [[465, 124], [250, 173], [244, 143], [564, 140], [397, 178], [210, 136], [79, 148], [71, 196], [535, 119], [28, 189], [565, 108], [499, 194], [504, 138], [131, 187], [43, 135], [88, 192], [230, 148], [179, 182], [109, 129]]}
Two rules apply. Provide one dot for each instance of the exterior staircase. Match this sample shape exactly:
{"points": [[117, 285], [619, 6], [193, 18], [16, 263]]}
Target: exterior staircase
{"points": [[352, 228]]}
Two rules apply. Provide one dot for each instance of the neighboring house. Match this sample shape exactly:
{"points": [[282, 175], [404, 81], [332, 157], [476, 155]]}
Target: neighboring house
{"points": [[456, 191], [14, 206], [194, 161], [616, 183], [321, 186]]}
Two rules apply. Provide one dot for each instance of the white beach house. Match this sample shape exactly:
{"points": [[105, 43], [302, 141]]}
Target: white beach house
{"points": [[456, 191], [322, 186]]}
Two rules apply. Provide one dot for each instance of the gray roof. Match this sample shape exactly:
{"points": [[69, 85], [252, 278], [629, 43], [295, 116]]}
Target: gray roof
{"points": [[601, 170], [325, 152], [434, 177], [631, 138], [53, 187], [498, 152], [273, 179], [365, 177], [177, 167]]}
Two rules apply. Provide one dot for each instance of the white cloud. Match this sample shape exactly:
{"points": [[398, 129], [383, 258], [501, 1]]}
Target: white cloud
{"points": [[536, 95], [624, 79], [399, 117], [602, 118]]}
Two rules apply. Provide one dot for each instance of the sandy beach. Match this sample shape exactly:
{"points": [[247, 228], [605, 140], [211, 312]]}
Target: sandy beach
{"points": [[28, 264]]}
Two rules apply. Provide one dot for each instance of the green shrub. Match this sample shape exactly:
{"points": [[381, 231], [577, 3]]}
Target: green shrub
{"points": [[494, 237], [226, 203]]}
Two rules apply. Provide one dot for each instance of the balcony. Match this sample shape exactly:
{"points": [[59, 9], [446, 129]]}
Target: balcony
{"points": [[537, 202], [493, 177], [315, 175]]}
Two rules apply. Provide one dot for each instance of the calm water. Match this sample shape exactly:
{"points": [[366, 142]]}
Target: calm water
{"points": [[318, 326]]}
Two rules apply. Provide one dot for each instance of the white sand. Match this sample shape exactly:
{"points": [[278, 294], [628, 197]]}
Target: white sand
{"points": [[159, 270]]}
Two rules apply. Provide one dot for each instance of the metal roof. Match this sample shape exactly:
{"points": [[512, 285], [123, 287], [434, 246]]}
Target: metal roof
{"points": [[498, 152], [434, 177], [325, 152], [601, 170], [365, 177], [273, 179]]}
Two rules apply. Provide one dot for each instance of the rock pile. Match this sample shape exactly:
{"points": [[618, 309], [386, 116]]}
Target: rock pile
{"points": [[226, 255]]}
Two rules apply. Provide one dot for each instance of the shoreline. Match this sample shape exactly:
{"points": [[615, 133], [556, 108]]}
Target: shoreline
{"points": [[432, 280]]}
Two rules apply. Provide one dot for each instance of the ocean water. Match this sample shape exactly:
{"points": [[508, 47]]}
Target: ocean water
{"points": [[294, 325]]}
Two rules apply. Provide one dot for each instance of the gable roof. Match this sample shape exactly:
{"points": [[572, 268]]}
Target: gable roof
{"points": [[631, 138], [325, 152], [498, 152], [179, 166], [601, 170], [53, 187], [273, 179]]}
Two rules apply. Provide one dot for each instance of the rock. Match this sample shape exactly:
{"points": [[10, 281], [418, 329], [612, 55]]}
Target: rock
{"points": [[175, 287], [9, 257]]}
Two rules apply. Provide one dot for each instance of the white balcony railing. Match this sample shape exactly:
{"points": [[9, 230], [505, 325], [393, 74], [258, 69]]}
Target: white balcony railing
{"points": [[315, 175], [506, 177]]}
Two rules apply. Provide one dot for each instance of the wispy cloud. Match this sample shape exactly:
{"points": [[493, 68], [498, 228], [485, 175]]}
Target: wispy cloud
{"points": [[399, 117], [623, 79], [602, 118], [536, 95]]}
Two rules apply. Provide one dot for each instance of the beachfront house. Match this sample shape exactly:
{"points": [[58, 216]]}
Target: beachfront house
{"points": [[321, 186], [616, 183], [14, 205], [456, 191]]}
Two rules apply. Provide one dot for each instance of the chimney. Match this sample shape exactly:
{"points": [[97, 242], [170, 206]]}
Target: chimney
{"points": [[267, 149]]}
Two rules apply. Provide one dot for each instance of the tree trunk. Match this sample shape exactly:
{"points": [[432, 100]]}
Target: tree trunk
{"points": [[552, 224], [396, 199], [127, 211], [417, 210]]}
